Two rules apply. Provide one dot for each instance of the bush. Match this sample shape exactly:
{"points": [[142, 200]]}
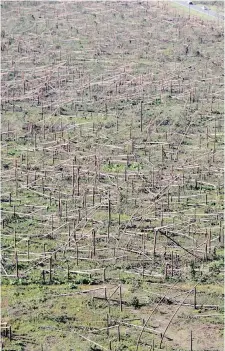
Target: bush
{"points": [[216, 267], [135, 302], [83, 280]]}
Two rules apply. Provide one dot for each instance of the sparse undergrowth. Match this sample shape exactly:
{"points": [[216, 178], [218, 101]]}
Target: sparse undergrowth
{"points": [[112, 177]]}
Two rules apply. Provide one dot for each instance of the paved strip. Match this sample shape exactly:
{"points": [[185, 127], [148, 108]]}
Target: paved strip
{"points": [[199, 8]]}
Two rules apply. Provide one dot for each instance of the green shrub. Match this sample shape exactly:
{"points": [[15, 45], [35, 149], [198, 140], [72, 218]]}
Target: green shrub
{"points": [[216, 267], [83, 280], [135, 302]]}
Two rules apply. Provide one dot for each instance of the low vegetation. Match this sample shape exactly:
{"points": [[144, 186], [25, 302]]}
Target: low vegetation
{"points": [[112, 177]]}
